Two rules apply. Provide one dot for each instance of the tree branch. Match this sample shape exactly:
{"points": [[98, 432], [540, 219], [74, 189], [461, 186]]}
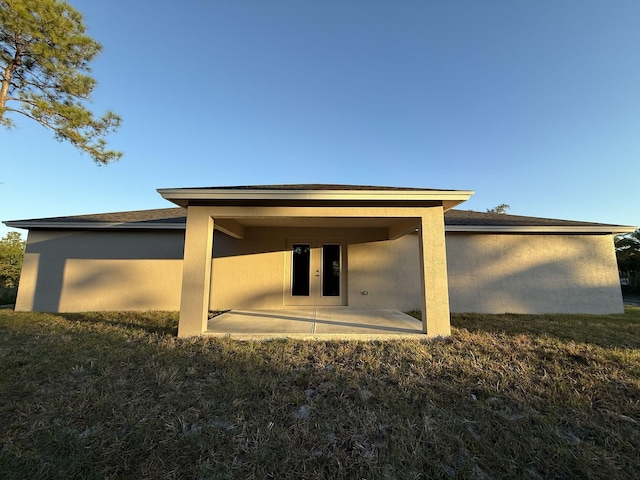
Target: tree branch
{"points": [[41, 121]]}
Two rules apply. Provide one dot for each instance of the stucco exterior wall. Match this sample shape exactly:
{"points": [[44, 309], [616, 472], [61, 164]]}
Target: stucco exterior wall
{"points": [[84, 271], [251, 273], [488, 273], [491, 273], [248, 273], [388, 271]]}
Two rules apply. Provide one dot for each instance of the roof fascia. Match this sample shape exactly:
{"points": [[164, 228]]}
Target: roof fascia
{"points": [[611, 229], [182, 196], [604, 229], [92, 226]]}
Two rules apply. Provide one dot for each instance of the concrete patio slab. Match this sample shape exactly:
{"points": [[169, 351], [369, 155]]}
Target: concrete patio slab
{"points": [[315, 323]]}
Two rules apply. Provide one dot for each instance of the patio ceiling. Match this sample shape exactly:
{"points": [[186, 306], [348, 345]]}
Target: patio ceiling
{"points": [[328, 222], [394, 226]]}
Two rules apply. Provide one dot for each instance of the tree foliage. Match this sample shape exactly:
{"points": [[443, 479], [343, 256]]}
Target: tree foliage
{"points": [[11, 255], [628, 254], [45, 74], [502, 208]]}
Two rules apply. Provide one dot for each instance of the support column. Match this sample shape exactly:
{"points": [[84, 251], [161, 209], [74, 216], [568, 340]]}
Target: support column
{"points": [[196, 272], [436, 320]]}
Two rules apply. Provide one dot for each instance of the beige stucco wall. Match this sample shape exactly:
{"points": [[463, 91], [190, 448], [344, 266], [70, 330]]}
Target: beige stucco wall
{"points": [[533, 274], [251, 273], [489, 273], [248, 273], [83, 271], [389, 271], [494, 273]]}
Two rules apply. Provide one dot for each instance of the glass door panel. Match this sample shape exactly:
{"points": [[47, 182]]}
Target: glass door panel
{"points": [[301, 266], [330, 270]]}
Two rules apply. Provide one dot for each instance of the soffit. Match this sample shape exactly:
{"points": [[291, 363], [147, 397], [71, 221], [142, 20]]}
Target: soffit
{"points": [[328, 222]]}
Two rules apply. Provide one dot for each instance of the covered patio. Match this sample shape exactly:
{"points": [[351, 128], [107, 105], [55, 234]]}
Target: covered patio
{"points": [[275, 243]]}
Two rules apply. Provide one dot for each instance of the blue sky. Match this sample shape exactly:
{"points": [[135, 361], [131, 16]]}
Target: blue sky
{"points": [[533, 104]]}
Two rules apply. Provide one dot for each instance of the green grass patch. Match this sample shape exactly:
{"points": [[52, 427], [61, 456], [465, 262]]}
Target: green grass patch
{"points": [[117, 395]]}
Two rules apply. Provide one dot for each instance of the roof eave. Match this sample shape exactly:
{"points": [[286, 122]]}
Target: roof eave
{"points": [[28, 224], [182, 196], [604, 229]]}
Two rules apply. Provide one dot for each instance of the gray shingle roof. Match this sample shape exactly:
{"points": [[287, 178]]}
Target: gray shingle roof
{"points": [[176, 218], [160, 217], [469, 217]]}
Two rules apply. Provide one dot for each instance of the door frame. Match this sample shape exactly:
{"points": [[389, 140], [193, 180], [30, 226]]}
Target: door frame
{"points": [[315, 297]]}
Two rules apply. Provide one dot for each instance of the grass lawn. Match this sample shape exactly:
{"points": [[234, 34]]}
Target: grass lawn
{"points": [[117, 395]]}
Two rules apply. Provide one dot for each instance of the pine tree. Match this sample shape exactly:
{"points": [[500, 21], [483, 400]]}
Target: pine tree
{"points": [[45, 74]]}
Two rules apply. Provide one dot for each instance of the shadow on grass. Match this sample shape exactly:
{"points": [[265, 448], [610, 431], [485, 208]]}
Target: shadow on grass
{"points": [[153, 322], [618, 330]]}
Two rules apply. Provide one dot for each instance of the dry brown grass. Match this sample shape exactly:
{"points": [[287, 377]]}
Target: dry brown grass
{"points": [[116, 395]]}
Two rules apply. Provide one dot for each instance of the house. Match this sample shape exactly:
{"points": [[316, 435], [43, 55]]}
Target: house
{"points": [[278, 246]]}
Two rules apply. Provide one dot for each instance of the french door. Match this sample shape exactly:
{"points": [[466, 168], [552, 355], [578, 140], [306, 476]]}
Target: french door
{"points": [[315, 273]]}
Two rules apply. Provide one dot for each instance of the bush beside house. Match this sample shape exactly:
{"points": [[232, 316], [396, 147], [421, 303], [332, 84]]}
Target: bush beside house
{"points": [[11, 256], [628, 254]]}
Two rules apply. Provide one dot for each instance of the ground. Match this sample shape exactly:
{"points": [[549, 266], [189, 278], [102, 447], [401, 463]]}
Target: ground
{"points": [[117, 395]]}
